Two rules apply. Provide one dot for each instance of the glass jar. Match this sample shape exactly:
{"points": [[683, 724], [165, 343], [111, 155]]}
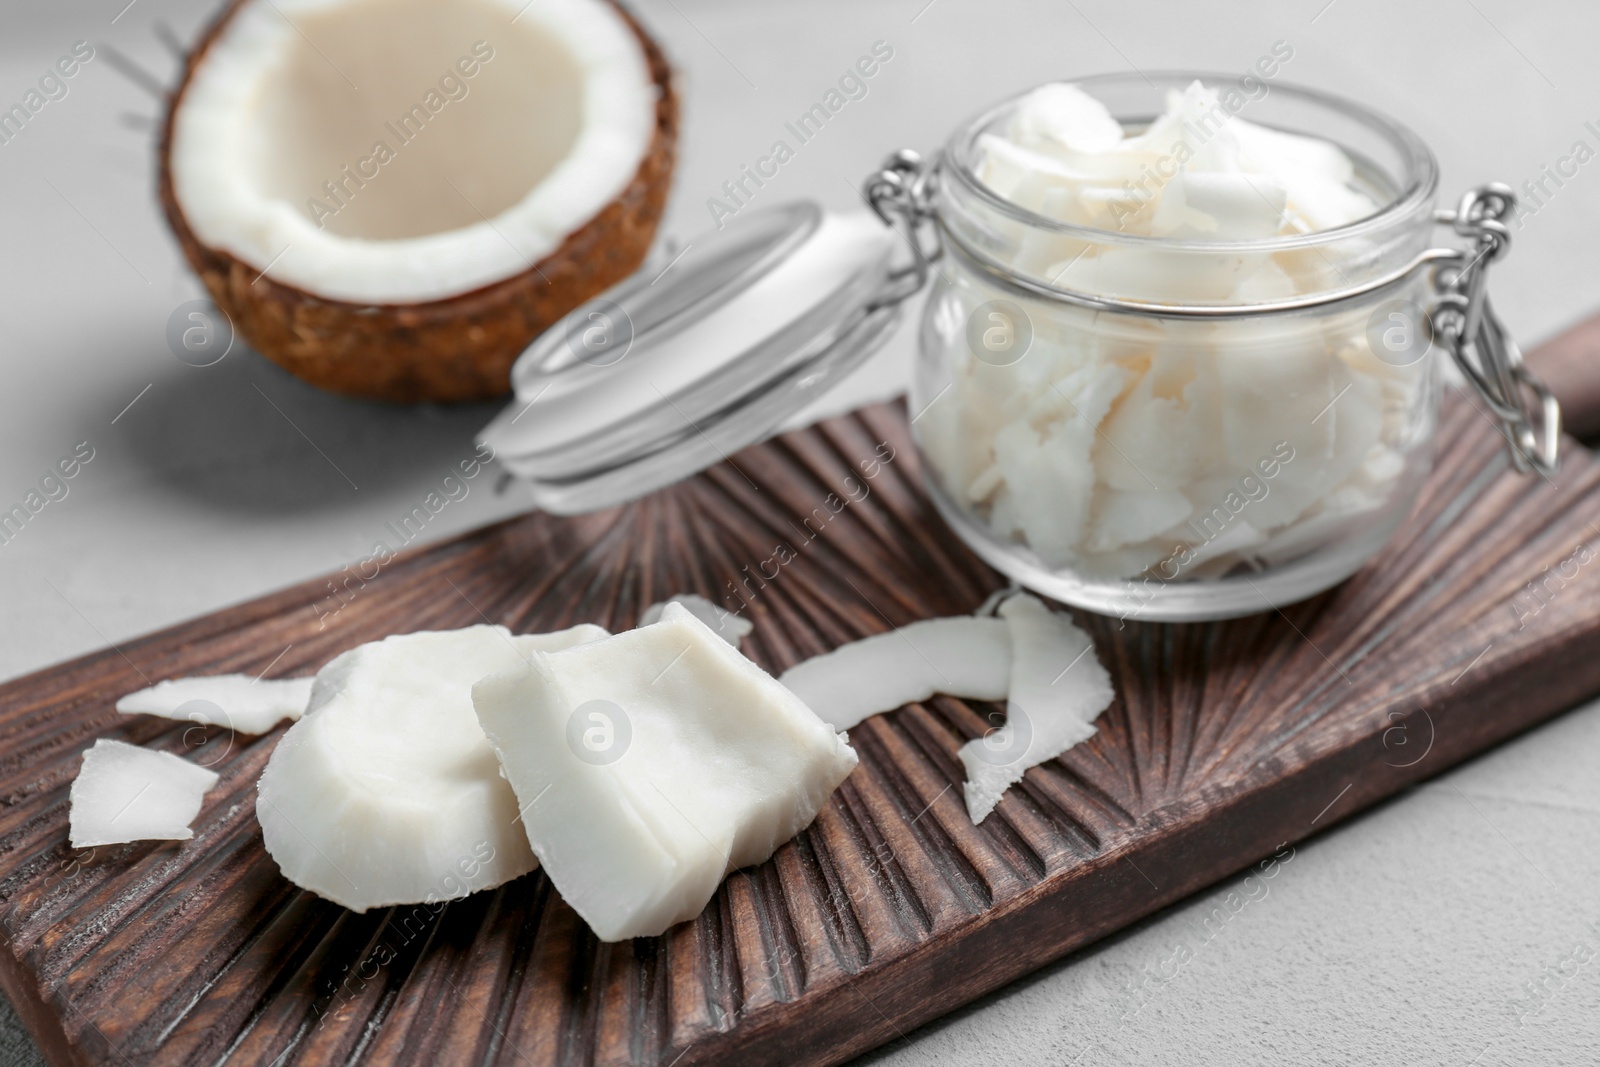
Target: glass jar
{"points": [[1139, 426], [1193, 429]]}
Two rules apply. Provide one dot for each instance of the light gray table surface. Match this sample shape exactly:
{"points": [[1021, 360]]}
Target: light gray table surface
{"points": [[1416, 934]]}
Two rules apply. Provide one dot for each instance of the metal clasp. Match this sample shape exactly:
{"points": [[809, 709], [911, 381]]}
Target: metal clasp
{"points": [[1464, 320], [902, 195]]}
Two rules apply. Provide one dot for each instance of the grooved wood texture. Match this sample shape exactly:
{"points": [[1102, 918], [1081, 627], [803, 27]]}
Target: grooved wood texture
{"points": [[1226, 740]]}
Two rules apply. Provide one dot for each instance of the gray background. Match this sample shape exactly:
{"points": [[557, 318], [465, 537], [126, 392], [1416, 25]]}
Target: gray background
{"points": [[1416, 934]]}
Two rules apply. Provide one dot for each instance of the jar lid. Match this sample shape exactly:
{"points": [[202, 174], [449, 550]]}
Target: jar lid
{"points": [[696, 356]]}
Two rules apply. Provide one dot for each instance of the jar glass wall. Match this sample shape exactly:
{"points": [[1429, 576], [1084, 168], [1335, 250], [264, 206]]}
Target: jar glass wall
{"points": [[1179, 429]]}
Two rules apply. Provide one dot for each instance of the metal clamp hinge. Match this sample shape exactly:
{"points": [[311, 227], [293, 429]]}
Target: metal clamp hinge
{"points": [[1464, 320], [902, 195]]}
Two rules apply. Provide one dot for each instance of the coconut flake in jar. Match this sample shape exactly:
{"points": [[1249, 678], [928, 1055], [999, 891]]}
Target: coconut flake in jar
{"points": [[1120, 445]]}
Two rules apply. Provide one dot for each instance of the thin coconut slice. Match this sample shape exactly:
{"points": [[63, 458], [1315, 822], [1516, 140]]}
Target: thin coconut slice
{"points": [[387, 791], [650, 764], [1057, 689], [728, 626], [392, 199], [963, 657], [127, 793], [237, 701]]}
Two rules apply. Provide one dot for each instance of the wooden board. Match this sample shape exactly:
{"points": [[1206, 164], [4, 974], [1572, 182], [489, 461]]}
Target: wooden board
{"points": [[1226, 741]]}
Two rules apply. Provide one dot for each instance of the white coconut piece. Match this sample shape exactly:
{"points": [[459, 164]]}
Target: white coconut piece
{"points": [[1051, 475], [1171, 216], [1316, 174], [1196, 108], [1238, 537], [1130, 561], [387, 792], [1155, 274], [127, 793], [650, 764], [1023, 175], [1168, 128], [1128, 517], [1240, 207], [1269, 151], [1057, 689], [1063, 113], [1049, 497], [1082, 189], [1291, 391], [728, 626], [237, 701], [1269, 283], [1038, 250], [1167, 430], [963, 656]]}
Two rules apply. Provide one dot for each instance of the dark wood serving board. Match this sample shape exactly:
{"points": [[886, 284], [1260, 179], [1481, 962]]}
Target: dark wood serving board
{"points": [[1226, 741]]}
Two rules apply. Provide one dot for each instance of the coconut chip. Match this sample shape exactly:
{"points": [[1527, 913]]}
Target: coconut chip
{"points": [[1057, 688], [238, 701], [127, 793], [962, 657]]}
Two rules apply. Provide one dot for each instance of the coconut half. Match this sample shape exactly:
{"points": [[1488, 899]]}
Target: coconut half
{"points": [[391, 198]]}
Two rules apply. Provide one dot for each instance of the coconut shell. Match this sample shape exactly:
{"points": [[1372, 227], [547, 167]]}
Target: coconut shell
{"points": [[456, 349]]}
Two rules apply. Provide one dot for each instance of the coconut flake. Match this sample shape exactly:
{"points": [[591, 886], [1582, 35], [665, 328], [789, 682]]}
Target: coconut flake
{"points": [[237, 701], [962, 657], [127, 793], [1057, 689], [727, 625]]}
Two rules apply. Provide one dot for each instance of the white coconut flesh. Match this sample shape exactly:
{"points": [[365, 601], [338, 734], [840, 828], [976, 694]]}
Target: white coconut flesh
{"points": [[650, 764], [127, 793], [962, 656], [1057, 689], [728, 626], [237, 701], [387, 792], [1035, 659], [448, 145]]}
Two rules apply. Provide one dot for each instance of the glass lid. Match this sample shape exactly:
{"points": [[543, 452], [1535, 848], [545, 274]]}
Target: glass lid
{"points": [[704, 351]]}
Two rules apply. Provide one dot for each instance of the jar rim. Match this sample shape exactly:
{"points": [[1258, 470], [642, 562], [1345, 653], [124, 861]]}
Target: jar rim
{"points": [[1421, 165]]}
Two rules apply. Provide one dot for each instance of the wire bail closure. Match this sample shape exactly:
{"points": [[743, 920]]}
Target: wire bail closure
{"points": [[1463, 318], [904, 194]]}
